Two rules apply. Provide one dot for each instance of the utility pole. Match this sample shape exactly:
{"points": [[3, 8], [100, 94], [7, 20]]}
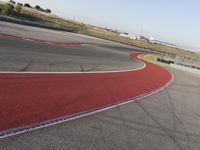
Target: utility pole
{"points": [[141, 32]]}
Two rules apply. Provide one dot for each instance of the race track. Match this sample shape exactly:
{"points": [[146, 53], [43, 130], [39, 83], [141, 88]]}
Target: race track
{"points": [[166, 120], [72, 94]]}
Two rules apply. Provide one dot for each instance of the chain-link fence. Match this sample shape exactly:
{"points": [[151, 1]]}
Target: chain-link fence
{"points": [[188, 61]]}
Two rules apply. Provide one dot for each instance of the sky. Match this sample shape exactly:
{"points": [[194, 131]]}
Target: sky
{"points": [[174, 21]]}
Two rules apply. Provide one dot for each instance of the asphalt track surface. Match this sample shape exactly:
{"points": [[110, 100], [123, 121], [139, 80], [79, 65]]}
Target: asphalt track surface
{"points": [[18, 55], [166, 120], [50, 35]]}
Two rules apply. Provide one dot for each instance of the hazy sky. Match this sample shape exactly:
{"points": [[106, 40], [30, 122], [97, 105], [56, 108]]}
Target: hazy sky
{"points": [[175, 21]]}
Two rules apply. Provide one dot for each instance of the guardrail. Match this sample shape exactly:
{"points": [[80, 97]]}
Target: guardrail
{"points": [[34, 24]]}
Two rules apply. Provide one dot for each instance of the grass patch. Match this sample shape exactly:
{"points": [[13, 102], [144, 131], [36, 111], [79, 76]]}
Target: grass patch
{"points": [[152, 58]]}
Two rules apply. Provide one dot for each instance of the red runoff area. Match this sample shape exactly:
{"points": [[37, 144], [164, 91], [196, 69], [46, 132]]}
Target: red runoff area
{"points": [[30, 99]]}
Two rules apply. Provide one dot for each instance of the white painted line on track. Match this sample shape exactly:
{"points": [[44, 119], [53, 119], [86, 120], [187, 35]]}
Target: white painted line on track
{"points": [[92, 72], [51, 43], [27, 39]]}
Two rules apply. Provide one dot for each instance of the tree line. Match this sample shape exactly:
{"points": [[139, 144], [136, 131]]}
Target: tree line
{"points": [[8, 8]]}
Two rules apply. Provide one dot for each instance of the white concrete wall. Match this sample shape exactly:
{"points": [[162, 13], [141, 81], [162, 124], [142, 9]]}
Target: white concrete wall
{"points": [[4, 0], [188, 69]]}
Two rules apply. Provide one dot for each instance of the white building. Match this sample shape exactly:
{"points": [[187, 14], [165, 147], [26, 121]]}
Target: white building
{"points": [[124, 34], [151, 39], [4, 0], [127, 35]]}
